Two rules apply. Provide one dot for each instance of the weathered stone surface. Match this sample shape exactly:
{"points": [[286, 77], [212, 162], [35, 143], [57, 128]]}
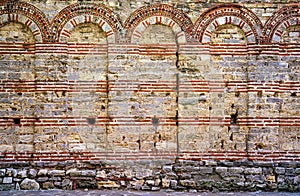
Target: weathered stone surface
{"points": [[42, 172], [187, 183], [236, 170], [90, 173], [253, 171], [32, 173], [42, 179], [7, 187], [48, 185], [29, 184], [56, 173], [2, 172], [11, 172], [22, 174], [107, 184], [7, 180], [137, 184], [167, 168], [279, 170]]}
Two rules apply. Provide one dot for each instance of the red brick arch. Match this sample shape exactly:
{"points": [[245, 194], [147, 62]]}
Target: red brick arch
{"points": [[35, 18], [228, 14], [279, 21], [86, 10], [159, 10]]}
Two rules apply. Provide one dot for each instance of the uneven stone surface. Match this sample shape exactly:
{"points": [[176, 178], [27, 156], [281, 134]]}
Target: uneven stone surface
{"points": [[134, 193], [179, 176], [28, 184]]}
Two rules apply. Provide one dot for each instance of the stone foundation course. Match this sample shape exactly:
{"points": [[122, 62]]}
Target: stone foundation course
{"points": [[183, 175]]}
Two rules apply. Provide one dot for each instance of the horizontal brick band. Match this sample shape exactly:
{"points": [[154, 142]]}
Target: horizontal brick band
{"points": [[216, 155], [150, 49], [148, 121], [149, 86]]}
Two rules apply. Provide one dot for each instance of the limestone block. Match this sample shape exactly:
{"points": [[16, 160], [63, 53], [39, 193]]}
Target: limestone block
{"points": [[28, 184], [26, 139], [24, 148], [22, 174], [7, 180], [56, 173], [253, 170], [6, 148]]}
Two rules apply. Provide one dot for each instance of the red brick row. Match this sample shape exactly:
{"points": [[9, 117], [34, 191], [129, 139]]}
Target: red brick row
{"points": [[150, 49], [149, 86], [148, 121], [270, 156]]}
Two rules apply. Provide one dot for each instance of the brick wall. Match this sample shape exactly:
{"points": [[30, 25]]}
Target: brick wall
{"points": [[158, 82]]}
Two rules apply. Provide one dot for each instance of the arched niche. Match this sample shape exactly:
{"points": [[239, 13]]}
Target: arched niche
{"points": [[157, 74], [16, 32], [279, 21], [228, 33], [87, 49], [157, 34], [75, 14], [224, 14], [87, 74], [165, 14], [17, 74], [291, 34], [87, 33]]}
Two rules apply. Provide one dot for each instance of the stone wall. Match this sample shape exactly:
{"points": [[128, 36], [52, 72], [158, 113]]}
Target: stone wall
{"points": [[150, 94]]}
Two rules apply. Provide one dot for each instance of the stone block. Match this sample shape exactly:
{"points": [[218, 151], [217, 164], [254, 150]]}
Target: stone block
{"points": [[221, 169], [137, 184], [7, 180], [24, 148], [253, 171], [7, 187], [28, 184], [2, 172], [235, 170], [187, 183], [90, 173], [11, 172], [32, 173], [56, 173], [165, 183], [6, 148], [271, 178], [279, 170], [22, 174], [42, 179], [42, 172], [48, 185], [167, 168], [205, 170]]}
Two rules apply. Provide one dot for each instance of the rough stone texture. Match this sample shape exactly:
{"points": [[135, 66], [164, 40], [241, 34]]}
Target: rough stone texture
{"points": [[182, 175], [28, 184], [148, 95]]}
